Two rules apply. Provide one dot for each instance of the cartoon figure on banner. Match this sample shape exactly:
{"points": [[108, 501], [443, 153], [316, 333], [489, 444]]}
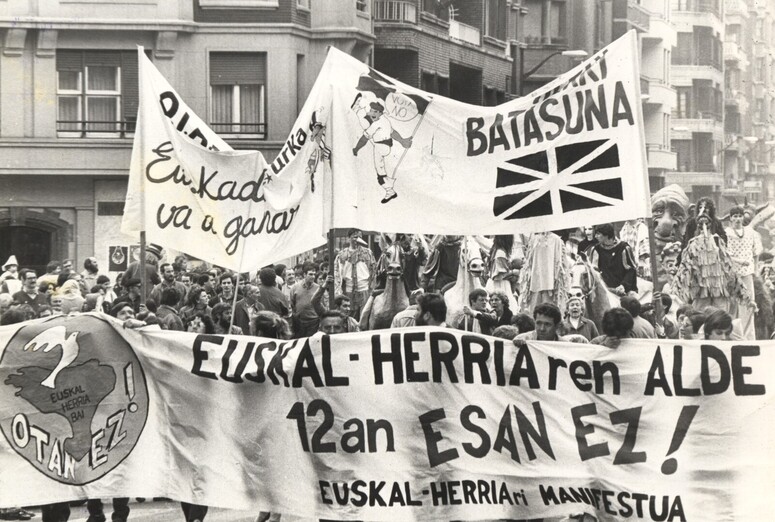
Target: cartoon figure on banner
{"points": [[79, 381], [317, 133], [379, 106]]}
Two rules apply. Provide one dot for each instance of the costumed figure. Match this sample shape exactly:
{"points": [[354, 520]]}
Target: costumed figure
{"points": [[383, 305], [10, 277], [442, 266], [670, 210], [544, 275], [469, 276], [636, 234], [705, 276], [669, 267], [502, 275], [706, 209], [317, 134], [414, 253]]}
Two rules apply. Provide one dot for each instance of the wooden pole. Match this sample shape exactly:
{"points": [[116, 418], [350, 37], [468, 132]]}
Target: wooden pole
{"points": [[143, 279], [658, 312], [331, 289], [234, 305]]}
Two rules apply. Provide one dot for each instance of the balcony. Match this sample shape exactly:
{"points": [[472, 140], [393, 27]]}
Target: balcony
{"points": [[660, 157], [689, 178], [465, 33], [661, 29], [629, 15], [684, 75], [660, 93], [685, 21], [734, 54], [395, 11], [707, 124], [95, 129], [737, 99]]}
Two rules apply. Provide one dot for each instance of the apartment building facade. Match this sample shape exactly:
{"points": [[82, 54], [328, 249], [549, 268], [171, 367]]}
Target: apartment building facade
{"points": [[68, 99]]}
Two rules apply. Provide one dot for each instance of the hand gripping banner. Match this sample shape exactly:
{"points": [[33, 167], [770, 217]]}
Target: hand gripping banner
{"points": [[411, 424]]}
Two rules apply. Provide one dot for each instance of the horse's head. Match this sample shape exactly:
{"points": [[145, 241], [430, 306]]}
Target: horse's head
{"points": [[580, 276], [394, 270]]}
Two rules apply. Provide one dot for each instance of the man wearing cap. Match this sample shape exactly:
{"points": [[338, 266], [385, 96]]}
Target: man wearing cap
{"points": [[132, 296], [152, 258], [353, 269], [10, 277]]}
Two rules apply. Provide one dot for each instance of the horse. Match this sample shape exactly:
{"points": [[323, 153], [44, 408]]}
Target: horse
{"points": [[469, 277], [596, 295]]}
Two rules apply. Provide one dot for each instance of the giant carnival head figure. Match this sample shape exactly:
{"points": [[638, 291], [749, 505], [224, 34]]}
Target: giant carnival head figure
{"points": [[670, 208]]}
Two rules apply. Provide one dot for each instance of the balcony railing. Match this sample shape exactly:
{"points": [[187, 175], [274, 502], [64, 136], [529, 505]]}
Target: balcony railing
{"points": [[465, 33], [94, 129], [125, 129], [696, 6], [246, 131], [395, 11]]}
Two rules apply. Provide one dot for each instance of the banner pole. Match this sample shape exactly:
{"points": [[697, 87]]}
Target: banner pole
{"points": [[143, 282], [331, 289], [398, 163], [234, 305], [658, 312]]}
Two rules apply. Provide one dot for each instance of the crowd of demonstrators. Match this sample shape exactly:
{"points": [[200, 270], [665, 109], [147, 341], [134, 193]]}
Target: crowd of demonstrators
{"points": [[689, 283], [692, 297]]}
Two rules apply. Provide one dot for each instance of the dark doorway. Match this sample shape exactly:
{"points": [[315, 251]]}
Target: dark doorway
{"points": [[31, 246]]}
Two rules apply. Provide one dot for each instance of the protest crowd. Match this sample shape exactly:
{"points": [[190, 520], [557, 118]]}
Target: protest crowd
{"points": [[590, 285]]}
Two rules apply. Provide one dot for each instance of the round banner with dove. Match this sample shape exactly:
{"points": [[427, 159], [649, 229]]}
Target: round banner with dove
{"points": [[73, 397]]}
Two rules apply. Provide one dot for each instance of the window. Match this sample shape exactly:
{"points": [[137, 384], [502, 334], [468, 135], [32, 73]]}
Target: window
{"points": [[495, 18], [543, 15], [683, 102], [557, 20], [96, 93], [110, 208], [237, 94], [362, 6]]}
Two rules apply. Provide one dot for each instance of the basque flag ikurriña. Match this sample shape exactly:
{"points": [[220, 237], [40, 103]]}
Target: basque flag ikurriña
{"points": [[559, 180]]}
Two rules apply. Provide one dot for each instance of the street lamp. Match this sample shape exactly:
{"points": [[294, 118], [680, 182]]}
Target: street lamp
{"points": [[523, 75]]}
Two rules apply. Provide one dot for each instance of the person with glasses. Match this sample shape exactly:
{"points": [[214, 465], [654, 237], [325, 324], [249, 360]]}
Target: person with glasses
{"points": [[29, 293]]}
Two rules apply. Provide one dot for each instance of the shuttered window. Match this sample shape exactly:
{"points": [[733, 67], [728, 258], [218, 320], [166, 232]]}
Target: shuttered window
{"points": [[97, 93], [238, 94]]}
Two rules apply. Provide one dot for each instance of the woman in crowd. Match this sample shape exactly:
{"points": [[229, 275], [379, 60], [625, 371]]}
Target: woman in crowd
{"points": [[196, 303]]}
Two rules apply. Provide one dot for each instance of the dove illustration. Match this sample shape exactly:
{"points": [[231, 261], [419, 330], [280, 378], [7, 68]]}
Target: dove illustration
{"points": [[50, 339]]}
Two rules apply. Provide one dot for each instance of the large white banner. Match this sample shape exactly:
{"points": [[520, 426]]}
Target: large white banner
{"points": [[412, 424], [570, 153], [231, 208]]}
